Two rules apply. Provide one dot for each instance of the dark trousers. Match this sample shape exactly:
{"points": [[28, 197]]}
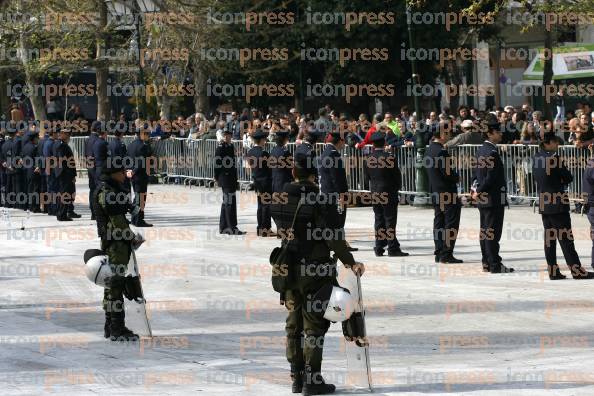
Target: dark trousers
{"points": [[491, 228], [92, 187], [52, 191], [591, 219], [228, 218], [445, 229], [33, 190], [66, 197], [386, 217], [140, 187], [9, 191], [20, 188], [263, 214], [43, 189], [2, 188], [558, 227]]}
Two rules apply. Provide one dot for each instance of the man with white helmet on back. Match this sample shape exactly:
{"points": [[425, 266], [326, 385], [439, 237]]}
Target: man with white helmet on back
{"points": [[111, 203]]}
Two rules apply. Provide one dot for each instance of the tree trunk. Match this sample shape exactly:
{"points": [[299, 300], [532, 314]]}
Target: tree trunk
{"points": [[164, 102], [102, 71], [37, 102], [547, 76], [201, 103]]}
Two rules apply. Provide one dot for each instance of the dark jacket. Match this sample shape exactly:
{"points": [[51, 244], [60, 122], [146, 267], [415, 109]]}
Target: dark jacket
{"points": [[588, 183], [65, 166], [489, 174], [383, 172], [31, 158], [99, 151], [8, 156], [306, 149], [225, 167], [48, 154], [282, 162], [257, 159], [90, 142], [333, 178], [551, 177], [138, 154], [440, 172], [116, 149]]}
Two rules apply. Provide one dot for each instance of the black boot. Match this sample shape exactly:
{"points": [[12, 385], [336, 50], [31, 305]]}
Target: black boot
{"points": [[140, 221], [107, 326], [555, 273], [297, 379], [314, 384], [118, 331]]}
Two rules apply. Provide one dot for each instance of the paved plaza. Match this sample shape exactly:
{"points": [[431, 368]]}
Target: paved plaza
{"points": [[434, 329]]}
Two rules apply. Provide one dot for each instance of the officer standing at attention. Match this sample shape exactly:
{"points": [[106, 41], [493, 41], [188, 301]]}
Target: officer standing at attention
{"points": [[443, 180], [385, 180], [31, 161], [281, 162], [588, 195], [225, 169], [312, 268], [96, 128], [307, 148], [490, 194], [20, 185], [42, 175], [552, 177], [50, 201], [333, 181], [66, 177], [99, 152], [2, 169], [111, 203], [117, 152], [139, 157], [9, 163], [257, 159]]}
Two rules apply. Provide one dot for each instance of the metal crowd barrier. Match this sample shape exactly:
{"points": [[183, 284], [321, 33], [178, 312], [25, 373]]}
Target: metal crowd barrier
{"points": [[193, 161]]}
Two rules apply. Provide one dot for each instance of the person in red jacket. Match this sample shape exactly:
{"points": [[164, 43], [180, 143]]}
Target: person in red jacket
{"points": [[377, 118]]}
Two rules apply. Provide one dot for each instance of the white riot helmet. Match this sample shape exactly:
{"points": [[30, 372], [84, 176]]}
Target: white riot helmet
{"points": [[97, 267], [337, 301]]}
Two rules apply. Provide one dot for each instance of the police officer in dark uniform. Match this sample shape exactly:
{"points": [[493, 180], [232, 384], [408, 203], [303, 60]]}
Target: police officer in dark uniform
{"points": [[385, 180], [490, 194], [139, 157], [99, 153], [588, 195], [311, 268], [20, 179], [443, 180], [112, 202], [281, 162], [257, 159], [51, 199], [2, 169], [9, 163], [117, 151], [66, 177], [552, 177], [32, 165], [225, 170], [42, 175], [96, 128], [333, 180], [307, 148]]}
